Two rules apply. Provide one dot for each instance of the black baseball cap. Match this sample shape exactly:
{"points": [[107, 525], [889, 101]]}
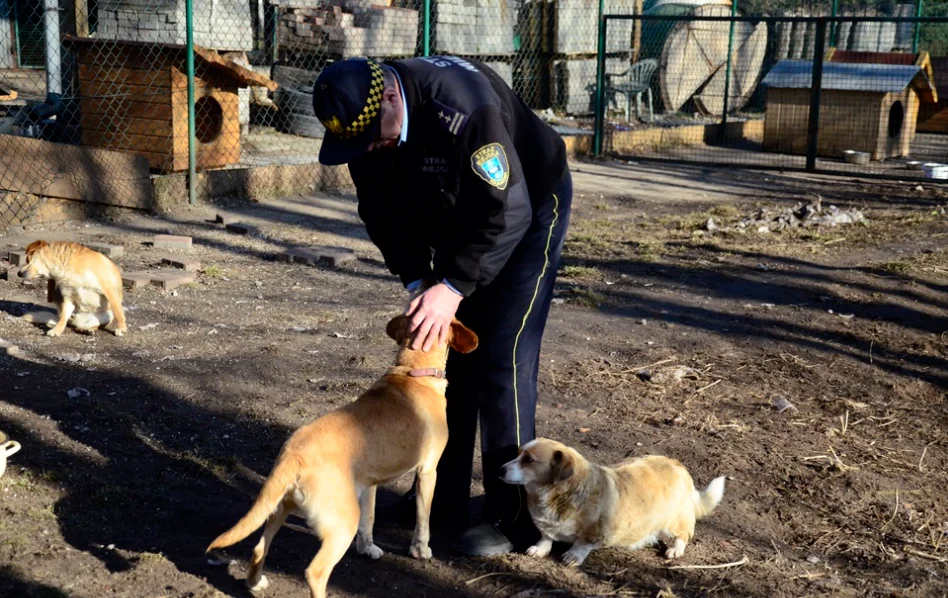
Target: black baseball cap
{"points": [[347, 99]]}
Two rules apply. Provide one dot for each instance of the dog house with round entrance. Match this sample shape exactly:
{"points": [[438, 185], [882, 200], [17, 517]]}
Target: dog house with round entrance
{"points": [[134, 98], [864, 107]]}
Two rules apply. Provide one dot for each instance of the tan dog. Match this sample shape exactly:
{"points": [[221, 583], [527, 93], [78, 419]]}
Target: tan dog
{"points": [[88, 285], [633, 504], [328, 470]]}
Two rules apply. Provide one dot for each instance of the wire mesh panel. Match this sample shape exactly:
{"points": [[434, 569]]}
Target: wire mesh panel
{"points": [[855, 94], [94, 104]]}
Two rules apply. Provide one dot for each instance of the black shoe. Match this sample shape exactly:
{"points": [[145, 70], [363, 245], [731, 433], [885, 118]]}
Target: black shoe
{"points": [[485, 539]]}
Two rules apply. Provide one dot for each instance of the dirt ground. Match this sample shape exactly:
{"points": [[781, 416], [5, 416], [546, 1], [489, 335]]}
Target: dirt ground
{"points": [[664, 339]]}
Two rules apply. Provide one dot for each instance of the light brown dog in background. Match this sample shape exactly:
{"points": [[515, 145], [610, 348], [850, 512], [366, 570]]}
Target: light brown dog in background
{"points": [[634, 504], [328, 470], [87, 286]]}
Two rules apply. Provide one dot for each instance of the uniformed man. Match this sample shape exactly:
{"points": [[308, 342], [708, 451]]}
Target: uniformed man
{"points": [[467, 194]]}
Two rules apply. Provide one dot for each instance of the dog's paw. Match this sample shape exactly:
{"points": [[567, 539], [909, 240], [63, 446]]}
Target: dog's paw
{"points": [[676, 550], [53, 333], [262, 584], [573, 558], [370, 550], [120, 332], [538, 551], [420, 551]]}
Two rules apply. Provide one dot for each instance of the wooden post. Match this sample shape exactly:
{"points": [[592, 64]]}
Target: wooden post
{"points": [[82, 18], [637, 32]]}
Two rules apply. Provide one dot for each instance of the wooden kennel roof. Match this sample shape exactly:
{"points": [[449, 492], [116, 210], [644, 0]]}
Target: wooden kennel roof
{"points": [[843, 76], [203, 58]]}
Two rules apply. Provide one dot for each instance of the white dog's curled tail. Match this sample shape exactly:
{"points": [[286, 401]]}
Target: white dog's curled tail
{"points": [[707, 500]]}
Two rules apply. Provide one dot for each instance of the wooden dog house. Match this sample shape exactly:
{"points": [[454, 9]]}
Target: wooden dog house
{"points": [[134, 98], [933, 117], [864, 107]]}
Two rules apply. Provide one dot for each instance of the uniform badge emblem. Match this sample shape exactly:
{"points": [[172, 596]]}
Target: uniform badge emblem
{"points": [[333, 124], [490, 163]]}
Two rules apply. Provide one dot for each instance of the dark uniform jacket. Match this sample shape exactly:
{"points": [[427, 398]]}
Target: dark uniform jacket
{"points": [[461, 191]]}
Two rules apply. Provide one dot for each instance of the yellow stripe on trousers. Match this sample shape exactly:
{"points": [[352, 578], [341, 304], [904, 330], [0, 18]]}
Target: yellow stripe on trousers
{"points": [[523, 324]]}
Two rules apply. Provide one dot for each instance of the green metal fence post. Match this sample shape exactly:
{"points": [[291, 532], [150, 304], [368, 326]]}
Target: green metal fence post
{"points": [[426, 42], [816, 87], [192, 154], [918, 26], [833, 11], [600, 82], [727, 72]]}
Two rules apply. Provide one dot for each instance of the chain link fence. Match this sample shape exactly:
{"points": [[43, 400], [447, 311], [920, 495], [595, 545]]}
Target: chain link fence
{"points": [[857, 93], [94, 93], [95, 111]]}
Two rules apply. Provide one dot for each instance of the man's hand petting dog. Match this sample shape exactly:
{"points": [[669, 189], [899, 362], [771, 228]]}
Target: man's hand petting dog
{"points": [[431, 313]]}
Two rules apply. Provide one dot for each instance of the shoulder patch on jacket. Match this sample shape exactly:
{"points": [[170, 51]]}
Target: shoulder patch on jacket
{"points": [[450, 119], [490, 163]]}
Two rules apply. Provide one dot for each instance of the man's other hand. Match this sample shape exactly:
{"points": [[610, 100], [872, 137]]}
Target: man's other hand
{"points": [[431, 313]]}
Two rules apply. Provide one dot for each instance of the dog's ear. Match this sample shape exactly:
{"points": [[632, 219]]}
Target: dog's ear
{"points": [[397, 328], [463, 339], [562, 466], [34, 247]]}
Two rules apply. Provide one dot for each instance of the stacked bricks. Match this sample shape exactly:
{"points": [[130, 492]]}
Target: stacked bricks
{"points": [[574, 46], [474, 27], [577, 26], [352, 28], [573, 84], [224, 25], [504, 69]]}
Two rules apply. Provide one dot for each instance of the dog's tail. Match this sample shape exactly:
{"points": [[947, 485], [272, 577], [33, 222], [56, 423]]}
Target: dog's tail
{"points": [[709, 498], [273, 491]]}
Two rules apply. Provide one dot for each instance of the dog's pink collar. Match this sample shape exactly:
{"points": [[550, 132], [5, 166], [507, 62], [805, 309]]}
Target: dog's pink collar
{"points": [[428, 372]]}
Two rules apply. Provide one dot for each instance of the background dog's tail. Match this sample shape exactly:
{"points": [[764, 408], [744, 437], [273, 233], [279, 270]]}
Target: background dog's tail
{"points": [[709, 498], [273, 491]]}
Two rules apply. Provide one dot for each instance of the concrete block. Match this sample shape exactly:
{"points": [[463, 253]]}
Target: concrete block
{"points": [[182, 263], [17, 258], [165, 280], [169, 280], [10, 274], [107, 249], [225, 218], [329, 256], [172, 242], [573, 85], [135, 280], [8, 349], [503, 69], [239, 228]]}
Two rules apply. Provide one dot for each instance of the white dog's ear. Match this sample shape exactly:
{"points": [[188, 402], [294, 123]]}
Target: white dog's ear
{"points": [[562, 466]]}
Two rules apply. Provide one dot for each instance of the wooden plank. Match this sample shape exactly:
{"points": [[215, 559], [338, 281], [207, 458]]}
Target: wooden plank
{"points": [[135, 126], [132, 76], [113, 91], [82, 18], [73, 172], [120, 140], [95, 50], [126, 108]]}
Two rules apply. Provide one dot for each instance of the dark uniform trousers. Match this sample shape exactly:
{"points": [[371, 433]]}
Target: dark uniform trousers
{"points": [[497, 382]]}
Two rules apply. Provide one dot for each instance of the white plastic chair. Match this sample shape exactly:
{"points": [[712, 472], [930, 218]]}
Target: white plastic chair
{"points": [[639, 82]]}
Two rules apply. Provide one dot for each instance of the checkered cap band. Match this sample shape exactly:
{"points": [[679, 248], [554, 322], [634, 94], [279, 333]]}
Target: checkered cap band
{"points": [[373, 104]]}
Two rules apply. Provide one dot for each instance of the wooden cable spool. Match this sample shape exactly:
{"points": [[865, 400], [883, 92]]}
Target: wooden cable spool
{"points": [[693, 59]]}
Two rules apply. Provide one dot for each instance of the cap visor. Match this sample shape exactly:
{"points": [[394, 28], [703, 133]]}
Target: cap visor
{"points": [[336, 151]]}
